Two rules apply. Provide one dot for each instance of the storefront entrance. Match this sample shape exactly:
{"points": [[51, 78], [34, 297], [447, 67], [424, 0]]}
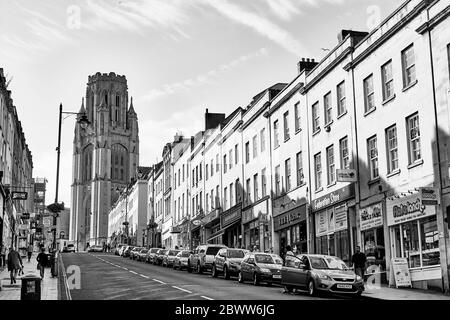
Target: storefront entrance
{"points": [[291, 228]]}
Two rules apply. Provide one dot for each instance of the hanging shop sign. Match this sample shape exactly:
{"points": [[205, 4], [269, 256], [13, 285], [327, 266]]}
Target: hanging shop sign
{"points": [[400, 273], [371, 217], [334, 197], [404, 209], [289, 218], [429, 196]]}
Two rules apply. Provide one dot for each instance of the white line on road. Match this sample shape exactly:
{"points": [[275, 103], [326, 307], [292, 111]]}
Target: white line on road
{"points": [[181, 289], [159, 281], [206, 298], [144, 276], [124, 268], [133, 272]]}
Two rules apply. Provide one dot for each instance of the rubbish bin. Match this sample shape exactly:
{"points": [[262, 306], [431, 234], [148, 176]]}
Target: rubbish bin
{"points": [[31, 288]]}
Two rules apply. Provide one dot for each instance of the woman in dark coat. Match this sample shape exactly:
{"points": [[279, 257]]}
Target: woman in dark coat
{"points": [[14, 263]]}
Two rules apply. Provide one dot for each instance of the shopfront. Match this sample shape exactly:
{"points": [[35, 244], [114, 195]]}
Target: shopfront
{"points": [[256, 226], [291, 227], [333, 225], [414, 235], [212, 231], [196, 233], [231, 225], [372, 236]]}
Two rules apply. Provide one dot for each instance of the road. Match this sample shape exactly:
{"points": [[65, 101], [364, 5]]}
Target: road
{"points": [[110, 277]]}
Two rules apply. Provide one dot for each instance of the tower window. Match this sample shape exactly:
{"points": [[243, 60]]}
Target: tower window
{"points": [[119, 163]]}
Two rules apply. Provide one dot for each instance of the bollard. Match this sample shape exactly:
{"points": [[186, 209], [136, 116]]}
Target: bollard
{"points": [[31, 288]]}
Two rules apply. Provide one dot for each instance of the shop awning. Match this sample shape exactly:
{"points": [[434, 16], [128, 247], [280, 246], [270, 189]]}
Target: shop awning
{"points": [[216, 235]]}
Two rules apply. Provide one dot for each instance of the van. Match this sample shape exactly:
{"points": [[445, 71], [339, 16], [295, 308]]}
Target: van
{"points": [[202, 258]]}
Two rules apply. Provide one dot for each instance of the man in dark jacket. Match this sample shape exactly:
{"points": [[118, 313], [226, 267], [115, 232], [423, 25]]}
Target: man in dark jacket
{"points": [[14, 263], [42, 260], [359, 262]]}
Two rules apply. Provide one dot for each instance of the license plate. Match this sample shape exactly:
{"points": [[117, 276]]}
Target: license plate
{"points": [[277, 276], [344, 286]]}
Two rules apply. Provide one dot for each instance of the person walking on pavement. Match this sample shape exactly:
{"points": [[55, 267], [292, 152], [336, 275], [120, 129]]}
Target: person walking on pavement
{"points": [[14, 264], [359, 262], [30, 251], [2, 254], [42, 260]]}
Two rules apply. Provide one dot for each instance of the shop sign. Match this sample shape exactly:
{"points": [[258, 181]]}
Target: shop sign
{"points": [[346, 175], [340, 218], [321, 223], [231, 217], [400, 273], [371, 217], [210, 217], [429, 196], [16, 195], [175, 229], [333, 197], [196, 222], [406, 209], [331, 220], [289, 218]]}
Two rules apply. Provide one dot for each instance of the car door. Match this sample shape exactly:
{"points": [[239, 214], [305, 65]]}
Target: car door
{"points": [[288, 270], [251, 266], [302, 272], [220, 258]]}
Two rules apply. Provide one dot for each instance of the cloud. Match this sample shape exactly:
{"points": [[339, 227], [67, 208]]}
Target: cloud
{"points": [[284, 9], [203, 79], [263, 26]]}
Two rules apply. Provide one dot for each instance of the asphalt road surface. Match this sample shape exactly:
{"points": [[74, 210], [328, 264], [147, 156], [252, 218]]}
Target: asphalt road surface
{"points": [[110, 277]]}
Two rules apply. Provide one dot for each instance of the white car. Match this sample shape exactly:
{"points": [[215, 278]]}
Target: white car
{"points": [[70, 247]]}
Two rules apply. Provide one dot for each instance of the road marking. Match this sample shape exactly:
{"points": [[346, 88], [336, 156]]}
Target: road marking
{"points": [[159, 281], [206, 298], [124, 268], [144, 276], [133, 272], [181, 289]]}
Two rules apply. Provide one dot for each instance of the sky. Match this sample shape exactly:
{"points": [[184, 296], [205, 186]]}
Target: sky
{"points": [[179, 56]]}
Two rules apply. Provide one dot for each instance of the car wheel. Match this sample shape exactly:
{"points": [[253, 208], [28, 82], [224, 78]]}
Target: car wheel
{"points": [[240, 277], [189, 269], [199, 268], [311, 288], [226, 275], [288, 289], [214, 272], [255, 280]]}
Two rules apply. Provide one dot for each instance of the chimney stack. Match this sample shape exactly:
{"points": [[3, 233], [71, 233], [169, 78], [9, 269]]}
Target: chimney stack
{"points": [[306, 65]]}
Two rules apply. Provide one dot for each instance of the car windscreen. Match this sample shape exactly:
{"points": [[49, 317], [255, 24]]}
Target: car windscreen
{"points": [[327, 263], [235, 254], [144, 251], [173, 252], [154, 250], [185, 254], [263, 258], [212, 250], [277, 259]]}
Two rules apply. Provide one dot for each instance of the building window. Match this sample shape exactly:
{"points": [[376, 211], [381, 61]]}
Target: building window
{"points": [[344, 155], [373, 157], [217, 196], [287, 168], [179, 177], [392, 148], [217, 163], [236, 154], [315, 117], [231, 195], [414, 138], [206, 172], [175, 182], [196, 175], [286, 125], [327, 109], [275, 134], [212, 167], [262, 135], [207, 202], [225, 164], [300, 176], [119, 163], [340, 90], [318, 171], [297, 116], [230, 155], [388, 80], [330, 165], [183, 172], [369, 97], [87, 162], [277, 180], [225, 198], [248, 199], [255, 187], [247, 152], [237, 189], [212, 200], [263, 182], [408, 66], [255, 146], [200, 169]]}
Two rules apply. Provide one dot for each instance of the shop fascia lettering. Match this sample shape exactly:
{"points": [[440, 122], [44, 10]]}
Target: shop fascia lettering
{"points": [[408, 208], [403, 209], [288, 218], [329, 200], [366, 215]]}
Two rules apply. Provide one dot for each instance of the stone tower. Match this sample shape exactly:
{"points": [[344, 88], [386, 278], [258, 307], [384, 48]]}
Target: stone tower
{"points": [[105, 157]]}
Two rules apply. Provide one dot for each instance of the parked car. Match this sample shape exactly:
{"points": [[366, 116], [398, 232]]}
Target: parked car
{"points": [[142, 255], [95, 248], [181, 259], [228, 261], [127, 251], [169, 257], [260, 267], [320, 273], [117, 249], [70, 247], [134, 252], [158, 259], [151, 254], [122, 250], [203, 257]]}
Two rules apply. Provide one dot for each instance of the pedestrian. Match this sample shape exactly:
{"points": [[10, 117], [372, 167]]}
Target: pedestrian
{"points": [[42, 260], [14, 264], [289, 250], [2, 254], [30, 251], [359, 262]]}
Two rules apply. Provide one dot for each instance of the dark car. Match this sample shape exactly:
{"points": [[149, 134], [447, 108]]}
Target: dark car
{"points": [[126, 252], [158, 259], [169, 257], [181, 259], [260, 267], [320, 273], [228, 261], [142, 255], [151, 254]]}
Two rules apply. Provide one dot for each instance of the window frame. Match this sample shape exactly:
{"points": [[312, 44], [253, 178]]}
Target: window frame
{"points": [[386, 81], [390, 149], [317, 172], [341, 100], [410, 141], [327, 109], [371, 158], [286, 133], [331, 166], [406, 68], [315, 117], [368, 95]]}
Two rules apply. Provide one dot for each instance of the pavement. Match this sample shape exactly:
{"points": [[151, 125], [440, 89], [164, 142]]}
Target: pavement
{"points": [[384, 292], [49, 285]]}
